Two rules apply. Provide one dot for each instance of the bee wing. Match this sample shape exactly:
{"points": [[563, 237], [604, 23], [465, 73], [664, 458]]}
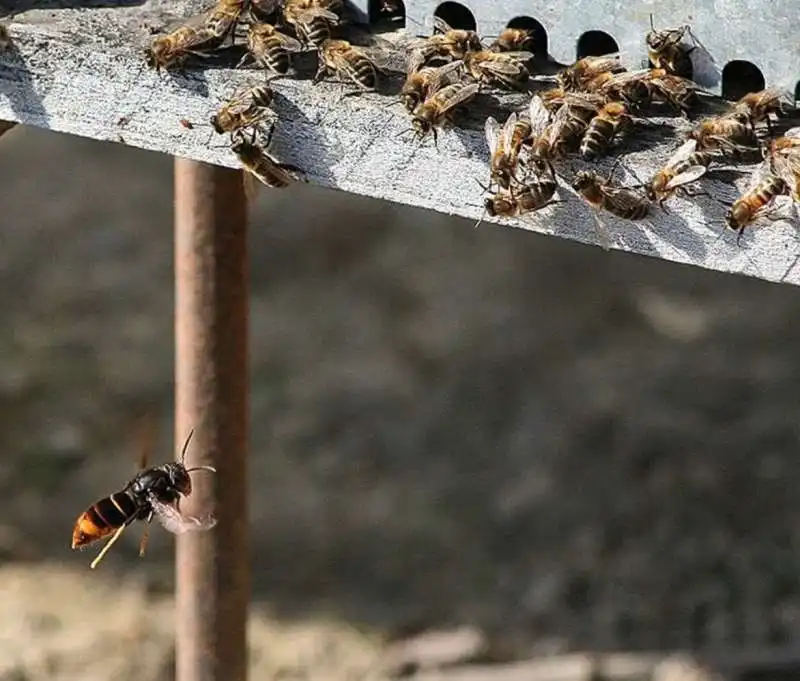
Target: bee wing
{"points": [[684, 151], [461, 95], [539, 115], [508, 129], [306, 16], [416, 58], [441, 25], [787, 167], [251, 186], [381, 57], [792, 132], [291, 44], [174, 521], [500, 66], [492, 131], [624, 197], [583, 100], [519, 55], [691, 174]]}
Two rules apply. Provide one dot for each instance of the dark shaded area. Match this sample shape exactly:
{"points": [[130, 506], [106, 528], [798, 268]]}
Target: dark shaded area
{"points": [[740, 77], [538, 32], [797, 93], [387, 13], [595, 44], [456, 15]]}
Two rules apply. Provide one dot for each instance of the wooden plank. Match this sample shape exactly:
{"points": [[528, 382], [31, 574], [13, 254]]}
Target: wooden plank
{"points": [[82, 72]]}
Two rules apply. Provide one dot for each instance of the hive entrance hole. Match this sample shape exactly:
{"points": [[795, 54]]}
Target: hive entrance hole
{"points": [[741, 77], [797, 94], [387, 12], [596, 44], [537, 31], [456, 15]]}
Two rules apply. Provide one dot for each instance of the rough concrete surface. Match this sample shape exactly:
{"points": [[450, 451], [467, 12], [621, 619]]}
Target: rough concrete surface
{"points": [[563, 448]]}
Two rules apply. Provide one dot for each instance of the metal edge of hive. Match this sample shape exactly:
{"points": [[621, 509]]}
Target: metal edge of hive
{"points": [[728, 29]]}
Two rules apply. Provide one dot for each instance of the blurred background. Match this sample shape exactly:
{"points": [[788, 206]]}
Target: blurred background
{"points": [[530, 446]]}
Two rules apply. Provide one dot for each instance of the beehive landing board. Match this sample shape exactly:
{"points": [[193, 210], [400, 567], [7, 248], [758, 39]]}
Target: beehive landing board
{"points": [[80, 71]]}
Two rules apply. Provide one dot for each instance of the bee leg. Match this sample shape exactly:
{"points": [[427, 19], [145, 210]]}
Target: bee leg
{"points": [[106, 548], [145, 535], [246, 57], [662, 205], [322, 71]]}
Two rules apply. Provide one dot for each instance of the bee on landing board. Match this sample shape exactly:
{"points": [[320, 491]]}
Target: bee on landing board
{"points": [[312, 20], [756, 107], [603, 128], [685, 166], [446, 43], [726, 133], [764, 199], [502, 69], [421, 84], [246, 108], [577, 76], [270, 48], [172, 50], [562, 132], [505, 146], [783, 154], [153, 493], [532, 193], [440, 107], [352, 64]]}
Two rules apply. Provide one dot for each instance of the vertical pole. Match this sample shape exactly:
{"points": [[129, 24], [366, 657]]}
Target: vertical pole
{"points": [[211, 397]]}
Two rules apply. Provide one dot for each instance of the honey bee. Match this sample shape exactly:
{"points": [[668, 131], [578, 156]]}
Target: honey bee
{"points": [[533, 194], [667, 50], [448, 43], [757, 106], [505, 69], [603, 128], [576, 77], [440, 107], [173, 49], [564, 130], [639, 88], [514, 40], [421, 84], [784, 157], [260, 164], [623, 202], [270, 48], [687, 165], [312, 20], [505, 146], [351, 63], [153, 492], [244, 109], [756, 203], [723, 132], [223, 18]]}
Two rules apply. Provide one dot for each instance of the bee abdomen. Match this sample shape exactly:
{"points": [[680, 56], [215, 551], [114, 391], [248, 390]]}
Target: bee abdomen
{"points": [[597, 139], [277, 60], [365, 74], [318, 31]]}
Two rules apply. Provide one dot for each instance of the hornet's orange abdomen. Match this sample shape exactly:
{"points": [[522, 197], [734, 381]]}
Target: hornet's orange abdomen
{"points": [[103, 518]]}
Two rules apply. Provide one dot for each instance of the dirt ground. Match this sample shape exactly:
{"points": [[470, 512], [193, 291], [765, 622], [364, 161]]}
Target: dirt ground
{"points": [[568, 449]]}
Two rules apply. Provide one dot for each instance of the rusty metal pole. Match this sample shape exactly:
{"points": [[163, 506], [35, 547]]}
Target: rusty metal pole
{"points": [[211, 397]]}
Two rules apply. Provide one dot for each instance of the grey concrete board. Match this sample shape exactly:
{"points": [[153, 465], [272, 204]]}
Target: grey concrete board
{"points": [[81, 72], [762, 32]]}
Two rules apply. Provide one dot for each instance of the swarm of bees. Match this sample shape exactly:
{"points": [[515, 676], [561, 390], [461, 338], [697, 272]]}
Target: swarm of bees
{"points": [[589, 109]]}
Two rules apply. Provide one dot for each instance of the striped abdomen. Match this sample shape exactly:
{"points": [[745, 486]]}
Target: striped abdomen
{"points": [[272, 55], [363, 72], [597, 138], [104, 517], [317, 31]]}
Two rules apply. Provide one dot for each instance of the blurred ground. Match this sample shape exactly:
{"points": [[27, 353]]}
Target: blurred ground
{"points": [[566, 448]]}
